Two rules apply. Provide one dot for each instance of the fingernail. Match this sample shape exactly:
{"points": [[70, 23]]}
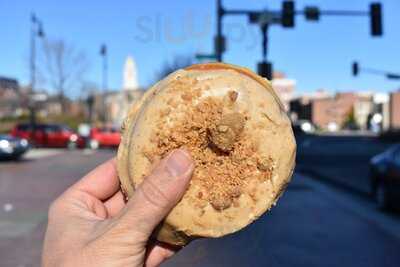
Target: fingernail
{"points": [[179, 162]]}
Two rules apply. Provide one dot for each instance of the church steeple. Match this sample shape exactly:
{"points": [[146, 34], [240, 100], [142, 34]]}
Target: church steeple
{"points": [[130, 81]]}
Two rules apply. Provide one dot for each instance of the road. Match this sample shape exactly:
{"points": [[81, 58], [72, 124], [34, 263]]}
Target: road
{"points": [[344, 160], [314, 223]]}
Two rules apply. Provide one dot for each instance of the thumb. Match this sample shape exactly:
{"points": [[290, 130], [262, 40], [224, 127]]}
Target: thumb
{"points": [[158, 193]]}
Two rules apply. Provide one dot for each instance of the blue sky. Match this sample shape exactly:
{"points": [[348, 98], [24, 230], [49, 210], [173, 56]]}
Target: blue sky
{"points": [[317, 55]]}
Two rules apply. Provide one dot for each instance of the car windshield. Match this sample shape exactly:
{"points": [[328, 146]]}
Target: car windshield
{"points": [[392, 151], [65, 128], [104, 129], [394, 154], [4, 137], [23, 127]]}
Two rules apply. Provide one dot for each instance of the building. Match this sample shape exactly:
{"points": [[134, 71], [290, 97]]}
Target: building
{"points": [[118, 103], [342, 110], [331, 113], [130, 75], [394, 110], [10, 100], [113, 106], [284, 87], [363, 109]]}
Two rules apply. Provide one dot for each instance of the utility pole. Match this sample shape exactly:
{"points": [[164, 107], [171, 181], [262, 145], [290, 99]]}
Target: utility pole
{"points": [[285, 18], [36, 32], [103, 53], [219, 41]]}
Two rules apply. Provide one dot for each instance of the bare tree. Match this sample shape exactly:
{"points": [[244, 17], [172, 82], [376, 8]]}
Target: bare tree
{"points": [[64, 67], [178, 62]]}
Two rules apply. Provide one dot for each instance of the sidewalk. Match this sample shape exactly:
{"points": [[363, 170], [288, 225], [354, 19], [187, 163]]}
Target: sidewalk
{"points": [[37, 153]]}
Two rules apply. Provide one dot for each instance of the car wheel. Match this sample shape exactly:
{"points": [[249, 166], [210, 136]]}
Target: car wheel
{"points": [[381, 195], [94, 144]]}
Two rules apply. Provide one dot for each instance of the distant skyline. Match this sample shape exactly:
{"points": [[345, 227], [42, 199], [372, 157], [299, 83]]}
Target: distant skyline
{"points": [[317, 55]]}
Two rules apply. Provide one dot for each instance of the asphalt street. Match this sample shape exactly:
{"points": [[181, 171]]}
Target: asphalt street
{"points": [[314, 223], [343, 160]]}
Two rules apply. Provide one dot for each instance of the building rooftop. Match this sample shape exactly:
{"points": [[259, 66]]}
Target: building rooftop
{"points": [[8, 83]]}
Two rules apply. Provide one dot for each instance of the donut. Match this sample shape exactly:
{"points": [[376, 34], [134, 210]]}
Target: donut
{"points": [[234, 126]]}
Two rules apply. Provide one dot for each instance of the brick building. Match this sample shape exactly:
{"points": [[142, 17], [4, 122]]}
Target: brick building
{"points": [[284, 87], [332, 112], [394, 110]]}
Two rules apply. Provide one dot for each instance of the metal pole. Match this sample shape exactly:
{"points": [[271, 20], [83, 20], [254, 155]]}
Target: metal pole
{"points": [[218, 48], [33, 53], [103, 53], [105, 82], [105, 72], [264, 29], [31, 101]]}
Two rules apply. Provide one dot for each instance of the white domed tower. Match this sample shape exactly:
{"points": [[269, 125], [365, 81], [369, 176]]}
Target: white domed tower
{"points": [[130, 75]]}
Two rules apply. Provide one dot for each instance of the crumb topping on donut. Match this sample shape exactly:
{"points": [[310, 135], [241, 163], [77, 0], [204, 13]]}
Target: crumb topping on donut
{"points": [[227, 130], [225, 158]]}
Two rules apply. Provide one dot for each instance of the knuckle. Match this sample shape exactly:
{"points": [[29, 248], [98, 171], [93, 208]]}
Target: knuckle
{"points": [[153, 194], [58, 206]]}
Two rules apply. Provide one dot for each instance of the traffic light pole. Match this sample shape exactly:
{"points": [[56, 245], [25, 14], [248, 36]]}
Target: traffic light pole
{"points": [[285, 18], [219, 42], [356, 69]]}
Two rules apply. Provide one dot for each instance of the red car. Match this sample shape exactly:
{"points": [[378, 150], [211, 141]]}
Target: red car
{"points": [[46, 135], [104, 136]]}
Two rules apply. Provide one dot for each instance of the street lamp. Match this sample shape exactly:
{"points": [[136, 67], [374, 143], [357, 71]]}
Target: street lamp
{"points": [[103, 54], [36, 32], [286, 18]]}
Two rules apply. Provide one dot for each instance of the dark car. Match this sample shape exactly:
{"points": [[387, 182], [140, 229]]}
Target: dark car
{"points": [[385, 177], [12, 147], [46, 135]]}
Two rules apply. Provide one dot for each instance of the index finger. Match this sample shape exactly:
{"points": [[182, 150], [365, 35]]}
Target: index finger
{"points": [[102, 182]]}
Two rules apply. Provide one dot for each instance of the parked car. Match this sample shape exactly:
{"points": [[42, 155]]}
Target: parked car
{"points": [[46, 135], [385, 177], [104, 137], [12, 147]]}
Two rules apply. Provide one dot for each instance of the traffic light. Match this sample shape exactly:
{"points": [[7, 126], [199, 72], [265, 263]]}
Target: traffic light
{"points": [[264, 69], [103, 50], [312, 13], [254, 17], [219, 44], [375, 12], [288, 14], [355, 68]]}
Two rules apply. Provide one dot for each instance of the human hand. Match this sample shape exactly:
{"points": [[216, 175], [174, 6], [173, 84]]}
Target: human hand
{"points": [[91, 225]]}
